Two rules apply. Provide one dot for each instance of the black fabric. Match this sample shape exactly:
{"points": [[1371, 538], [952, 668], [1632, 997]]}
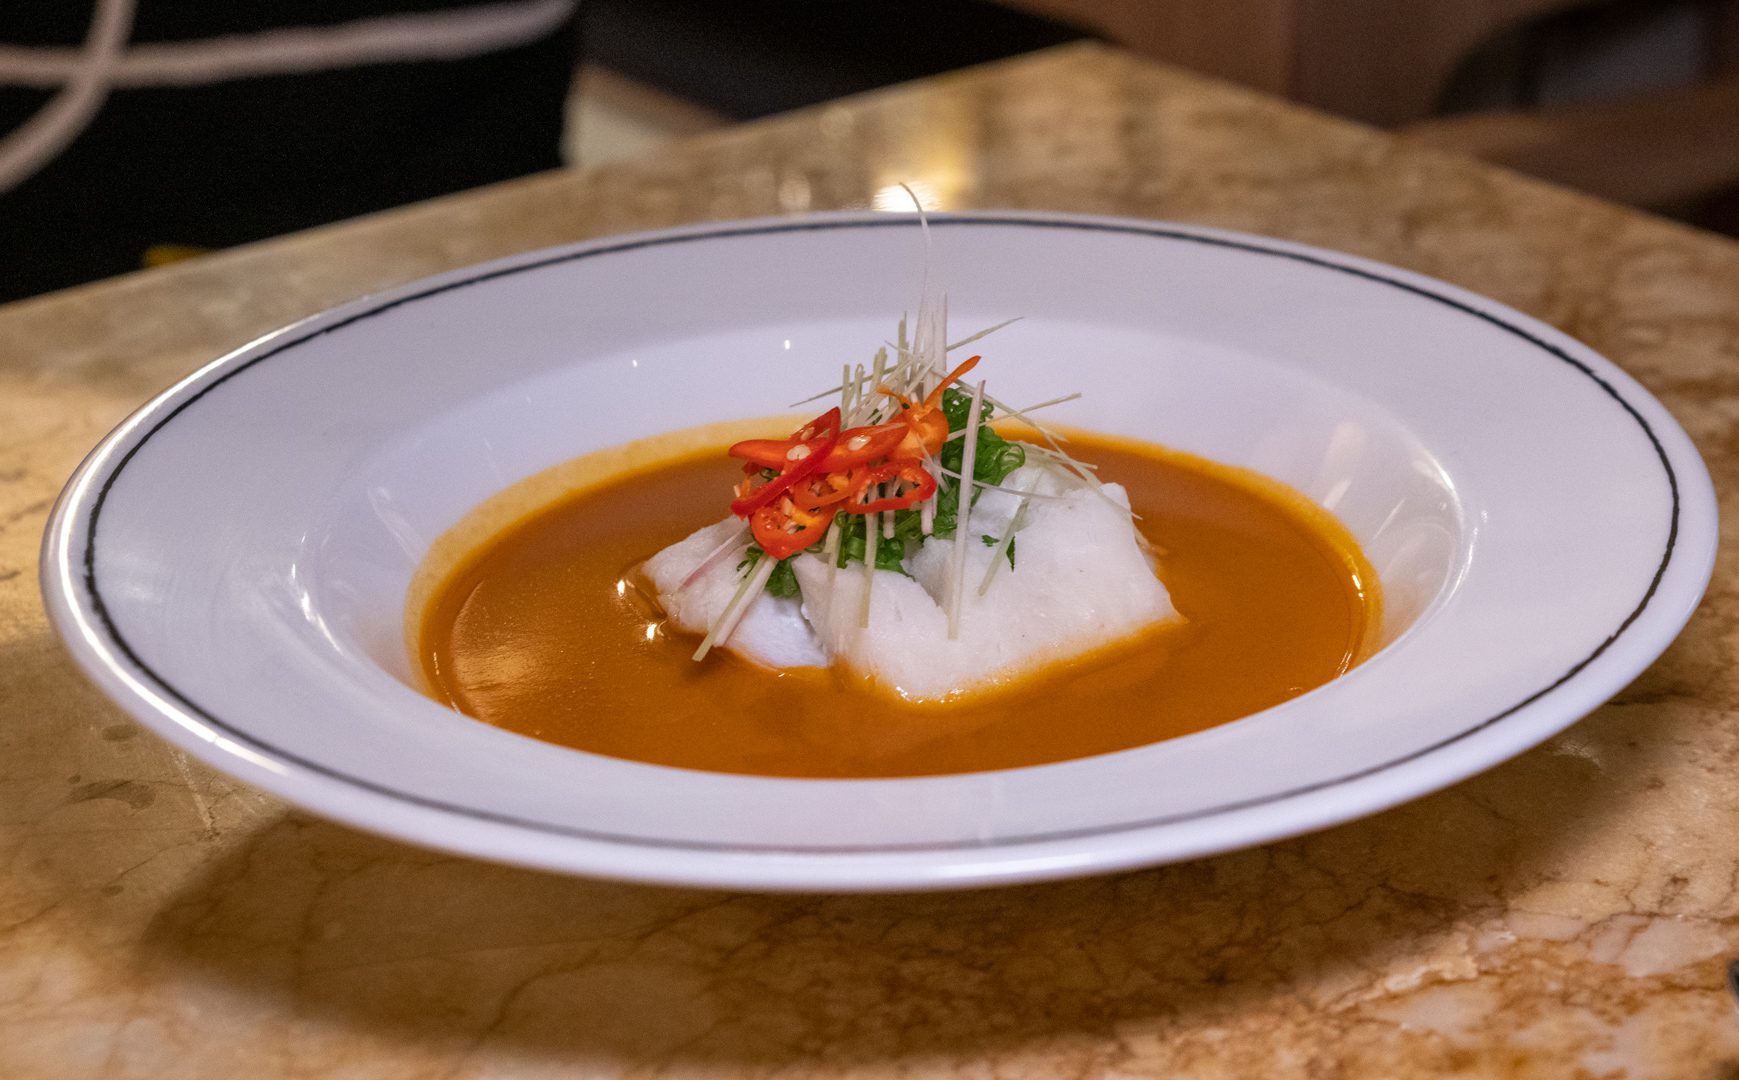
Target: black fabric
{"points": [[751, 58], [226, 163]]}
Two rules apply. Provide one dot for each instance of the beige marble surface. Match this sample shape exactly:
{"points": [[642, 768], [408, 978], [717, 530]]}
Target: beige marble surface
{"points": [[1567, 914]]}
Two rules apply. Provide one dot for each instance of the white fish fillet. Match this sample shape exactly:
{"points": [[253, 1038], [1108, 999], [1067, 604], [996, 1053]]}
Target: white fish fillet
{"points": [[773, 631], [1080, 580]]}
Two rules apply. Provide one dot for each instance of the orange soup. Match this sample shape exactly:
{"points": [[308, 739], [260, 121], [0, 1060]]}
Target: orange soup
{"points": [[541, 630]]}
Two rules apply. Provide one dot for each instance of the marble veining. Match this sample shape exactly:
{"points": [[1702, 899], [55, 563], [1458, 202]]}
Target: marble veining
{"points": [[1568, 914]]}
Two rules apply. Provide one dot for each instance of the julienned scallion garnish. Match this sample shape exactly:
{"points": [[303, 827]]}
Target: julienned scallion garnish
{"points": [[996, 458], [783, 580], [879, 474]]}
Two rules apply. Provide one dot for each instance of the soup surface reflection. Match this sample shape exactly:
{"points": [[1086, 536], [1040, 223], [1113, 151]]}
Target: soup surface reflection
{"points": [[541, 631]]}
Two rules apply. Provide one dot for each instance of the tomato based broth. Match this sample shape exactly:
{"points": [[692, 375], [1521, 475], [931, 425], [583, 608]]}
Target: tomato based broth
{"points": [[542, 631]]}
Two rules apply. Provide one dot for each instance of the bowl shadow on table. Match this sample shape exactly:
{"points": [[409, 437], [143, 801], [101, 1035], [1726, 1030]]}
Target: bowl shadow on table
{"points": [[443, 951]]}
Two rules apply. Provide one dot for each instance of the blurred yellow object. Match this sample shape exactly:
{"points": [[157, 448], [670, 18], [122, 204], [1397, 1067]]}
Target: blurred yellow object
{"points": [[164, 254]]}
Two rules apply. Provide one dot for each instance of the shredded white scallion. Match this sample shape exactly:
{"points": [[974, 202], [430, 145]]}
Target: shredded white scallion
{"points": [[734, 540], [870, 401], [869, 569], [1063, 457], [984, 486], [1021, 415], [986, 332], [849, 388], [746, 594], [1015, 525], [1068, 465], [1065, 399], [963, 514]]}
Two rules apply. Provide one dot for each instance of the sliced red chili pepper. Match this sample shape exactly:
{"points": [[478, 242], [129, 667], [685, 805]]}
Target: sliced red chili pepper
{"points": [[748, 502], [926, 431], [816, 491], [801, 458], [774, 453], [860, 446], [829, 420], [966, 365], [926, 424], [907, 472], [763, 453], [781, 536]]}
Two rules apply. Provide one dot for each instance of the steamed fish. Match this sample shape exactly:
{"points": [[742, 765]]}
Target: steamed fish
{"points": [[1080, 580]]}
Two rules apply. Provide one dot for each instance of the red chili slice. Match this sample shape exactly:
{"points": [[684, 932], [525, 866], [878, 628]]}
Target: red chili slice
{"points": [[781, 537], [817, 491], [765, 453], [860, 446], [927, 426], [908, 472], [802, 456], [829, 420]]}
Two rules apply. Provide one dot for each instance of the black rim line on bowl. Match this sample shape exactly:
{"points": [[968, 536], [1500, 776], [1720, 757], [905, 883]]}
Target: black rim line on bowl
{"points": [[100, 609]]}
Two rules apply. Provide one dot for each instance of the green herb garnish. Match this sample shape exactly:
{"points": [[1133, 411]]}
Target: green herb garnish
{"points": [[784, 579], [992, 541]]}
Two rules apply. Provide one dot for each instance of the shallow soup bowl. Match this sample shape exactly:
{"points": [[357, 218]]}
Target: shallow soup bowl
{"points": [[232, 564]]}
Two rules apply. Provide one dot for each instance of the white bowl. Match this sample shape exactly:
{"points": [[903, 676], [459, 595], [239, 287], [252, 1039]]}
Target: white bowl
{"points": [[231, 563]]}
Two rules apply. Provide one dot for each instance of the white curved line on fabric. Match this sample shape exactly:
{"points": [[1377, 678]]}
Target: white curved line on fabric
{"points": [[439, 35], [52, 128]]}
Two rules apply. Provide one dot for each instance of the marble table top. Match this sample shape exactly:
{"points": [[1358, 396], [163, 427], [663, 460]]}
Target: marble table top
{"points": [[1570, 913]]}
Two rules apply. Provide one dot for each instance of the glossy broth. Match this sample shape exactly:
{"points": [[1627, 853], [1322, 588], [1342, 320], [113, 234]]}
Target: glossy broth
{"points": [[541, 632]]}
